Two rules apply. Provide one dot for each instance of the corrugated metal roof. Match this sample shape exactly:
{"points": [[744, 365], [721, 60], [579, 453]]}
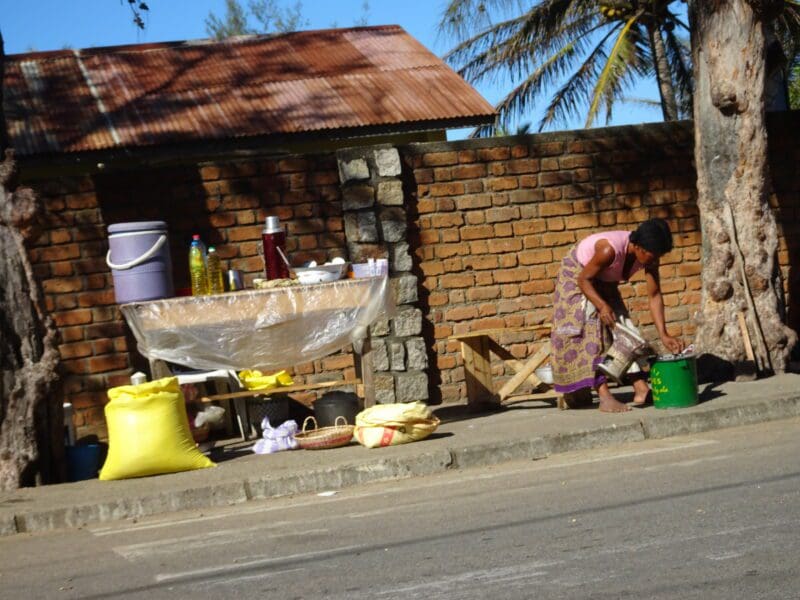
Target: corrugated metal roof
{"points": [[310, 81]]}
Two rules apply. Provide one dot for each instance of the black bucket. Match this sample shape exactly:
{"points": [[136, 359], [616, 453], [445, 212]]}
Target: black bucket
{"points": [[336, 404]]}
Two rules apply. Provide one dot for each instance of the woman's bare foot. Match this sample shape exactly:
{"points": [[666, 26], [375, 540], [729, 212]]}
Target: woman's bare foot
{"points": [[608, 403], [641, 392]]}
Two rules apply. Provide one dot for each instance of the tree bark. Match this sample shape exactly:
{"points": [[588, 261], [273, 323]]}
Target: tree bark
{"points": [[740, 234], [31, 414]]}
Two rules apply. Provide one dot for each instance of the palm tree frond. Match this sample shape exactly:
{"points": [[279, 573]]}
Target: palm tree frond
{"points": [[611, 70]]}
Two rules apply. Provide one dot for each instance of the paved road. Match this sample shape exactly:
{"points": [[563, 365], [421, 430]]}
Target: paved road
{"points": [[708, 516]]}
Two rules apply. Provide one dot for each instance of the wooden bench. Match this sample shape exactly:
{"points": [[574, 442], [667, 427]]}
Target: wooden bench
{"points": [[477, 348], [363, 384]]}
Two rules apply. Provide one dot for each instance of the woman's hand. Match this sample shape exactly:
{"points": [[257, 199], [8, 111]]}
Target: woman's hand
{"points": [[607, 316], [674, 345]]}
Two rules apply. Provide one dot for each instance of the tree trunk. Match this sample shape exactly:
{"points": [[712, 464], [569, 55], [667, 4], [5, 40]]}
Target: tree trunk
{"points": [[31, 415], [669, 106], [740, 234]]}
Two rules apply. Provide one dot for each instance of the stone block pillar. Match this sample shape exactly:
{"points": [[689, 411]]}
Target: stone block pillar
{"points": [[376, 225]]}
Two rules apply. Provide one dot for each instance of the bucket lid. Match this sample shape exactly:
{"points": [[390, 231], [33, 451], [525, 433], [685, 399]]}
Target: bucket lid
{"points": [[136, 226]]}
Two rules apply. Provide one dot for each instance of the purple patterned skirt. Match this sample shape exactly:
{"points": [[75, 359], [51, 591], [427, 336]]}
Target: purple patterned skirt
{"points": [[578, 340]]}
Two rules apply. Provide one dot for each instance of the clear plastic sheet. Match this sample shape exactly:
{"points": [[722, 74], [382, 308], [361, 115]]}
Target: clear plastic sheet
{"points": [[264, 329]]}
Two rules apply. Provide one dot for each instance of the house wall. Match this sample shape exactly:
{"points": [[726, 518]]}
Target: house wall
{"points": [[488, 222]]}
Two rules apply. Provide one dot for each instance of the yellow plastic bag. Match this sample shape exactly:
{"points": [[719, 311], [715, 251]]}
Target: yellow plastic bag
{"points": [[256, 380], [392, 424], [148, 432]]}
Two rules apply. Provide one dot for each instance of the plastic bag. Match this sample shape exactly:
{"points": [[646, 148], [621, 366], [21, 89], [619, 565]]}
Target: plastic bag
{"points": [[148, 432], [275, 439], [392, 424], [256, 380]]}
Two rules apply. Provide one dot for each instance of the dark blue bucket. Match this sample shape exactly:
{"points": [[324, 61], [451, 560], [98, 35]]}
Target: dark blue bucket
{"points": [[138, 255], [83, 462]]}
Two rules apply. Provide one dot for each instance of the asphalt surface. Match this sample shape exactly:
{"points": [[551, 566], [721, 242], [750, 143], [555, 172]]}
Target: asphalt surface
{"points": [[713, 515], [526, 430]]}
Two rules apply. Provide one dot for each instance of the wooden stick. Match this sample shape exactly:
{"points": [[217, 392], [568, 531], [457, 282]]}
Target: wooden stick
{"points": [[281, 390], [748, 347], [761, 340], [530, 366]]}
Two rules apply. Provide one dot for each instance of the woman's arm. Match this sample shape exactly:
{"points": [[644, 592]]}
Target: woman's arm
{"points": [[603, 257], [673, 344]]}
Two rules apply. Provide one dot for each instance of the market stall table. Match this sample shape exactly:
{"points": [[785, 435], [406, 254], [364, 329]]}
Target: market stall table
{"points": [[265, 329]]}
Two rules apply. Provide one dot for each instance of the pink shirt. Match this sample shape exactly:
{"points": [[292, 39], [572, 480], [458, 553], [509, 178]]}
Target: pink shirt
{"points": [[619, 242]]}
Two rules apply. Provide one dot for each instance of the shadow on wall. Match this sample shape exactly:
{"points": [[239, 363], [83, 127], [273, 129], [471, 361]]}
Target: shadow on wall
{"points": [[786, 189], [175, 196], [410, 187]]}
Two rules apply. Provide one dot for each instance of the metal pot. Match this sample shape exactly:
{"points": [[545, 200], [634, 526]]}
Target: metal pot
{"points": [[336, 404]]}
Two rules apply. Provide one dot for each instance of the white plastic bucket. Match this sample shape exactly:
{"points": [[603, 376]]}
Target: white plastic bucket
{"points": [[138, 256]]}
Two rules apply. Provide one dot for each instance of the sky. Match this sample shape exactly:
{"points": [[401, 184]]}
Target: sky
{"points": [[37, 25]]}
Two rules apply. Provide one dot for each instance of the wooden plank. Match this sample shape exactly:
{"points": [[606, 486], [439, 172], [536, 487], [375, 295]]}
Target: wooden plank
{"points": [[748, 346], [281, 390], [548, 396], [498, 331], [531, 364], [364, 371], [477, 370], [512, 362]]}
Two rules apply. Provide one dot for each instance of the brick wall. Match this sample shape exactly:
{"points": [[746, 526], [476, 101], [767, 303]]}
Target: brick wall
{"points": [[225, 203], [494, 218]]}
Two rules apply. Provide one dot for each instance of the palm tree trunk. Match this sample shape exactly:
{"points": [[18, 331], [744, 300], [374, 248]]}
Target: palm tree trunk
{"points": [[669, 106]]}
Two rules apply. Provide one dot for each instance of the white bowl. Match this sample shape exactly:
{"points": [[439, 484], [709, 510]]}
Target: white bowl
{"points": [[545, 373], [316, 275]]}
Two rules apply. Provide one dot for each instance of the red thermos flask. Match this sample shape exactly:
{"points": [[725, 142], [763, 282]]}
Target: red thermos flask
{"points": [[274, 237]]}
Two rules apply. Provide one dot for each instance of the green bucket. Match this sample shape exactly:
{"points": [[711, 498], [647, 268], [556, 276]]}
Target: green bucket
{"points": [[673, 380]]}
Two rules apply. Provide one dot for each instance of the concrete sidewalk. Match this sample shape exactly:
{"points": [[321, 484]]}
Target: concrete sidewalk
{"points": [[527, 430]]}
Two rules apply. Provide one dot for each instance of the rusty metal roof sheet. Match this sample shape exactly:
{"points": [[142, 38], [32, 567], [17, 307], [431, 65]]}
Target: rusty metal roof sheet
{"points": [[310, 81]]}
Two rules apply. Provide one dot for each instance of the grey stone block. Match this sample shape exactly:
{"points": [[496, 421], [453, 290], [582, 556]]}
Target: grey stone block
{"points": [[384, 388], [405, 288], [353, 170], [390, 193], [380, 328], [361, 226], [355, 197], [380, 355], [397, 355], [407, 322], [388, 162], [393, 224], [400, 257], [416, 353], [412, 386]]}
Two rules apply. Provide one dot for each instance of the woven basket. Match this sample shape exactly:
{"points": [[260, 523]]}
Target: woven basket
{"points": [[320, 438]]}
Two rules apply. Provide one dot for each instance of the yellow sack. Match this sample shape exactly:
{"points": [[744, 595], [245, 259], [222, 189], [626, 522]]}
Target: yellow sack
{"points": [[256, 380], [392, 424], [148, 431]]}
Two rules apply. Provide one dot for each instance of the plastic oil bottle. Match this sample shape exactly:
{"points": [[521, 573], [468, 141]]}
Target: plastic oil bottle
{"points": [[216, 283], [197, 267]]}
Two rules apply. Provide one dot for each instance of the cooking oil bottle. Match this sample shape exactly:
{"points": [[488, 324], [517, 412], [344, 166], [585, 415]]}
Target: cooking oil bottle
{"points": [[216, 284], [197, 267]]}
